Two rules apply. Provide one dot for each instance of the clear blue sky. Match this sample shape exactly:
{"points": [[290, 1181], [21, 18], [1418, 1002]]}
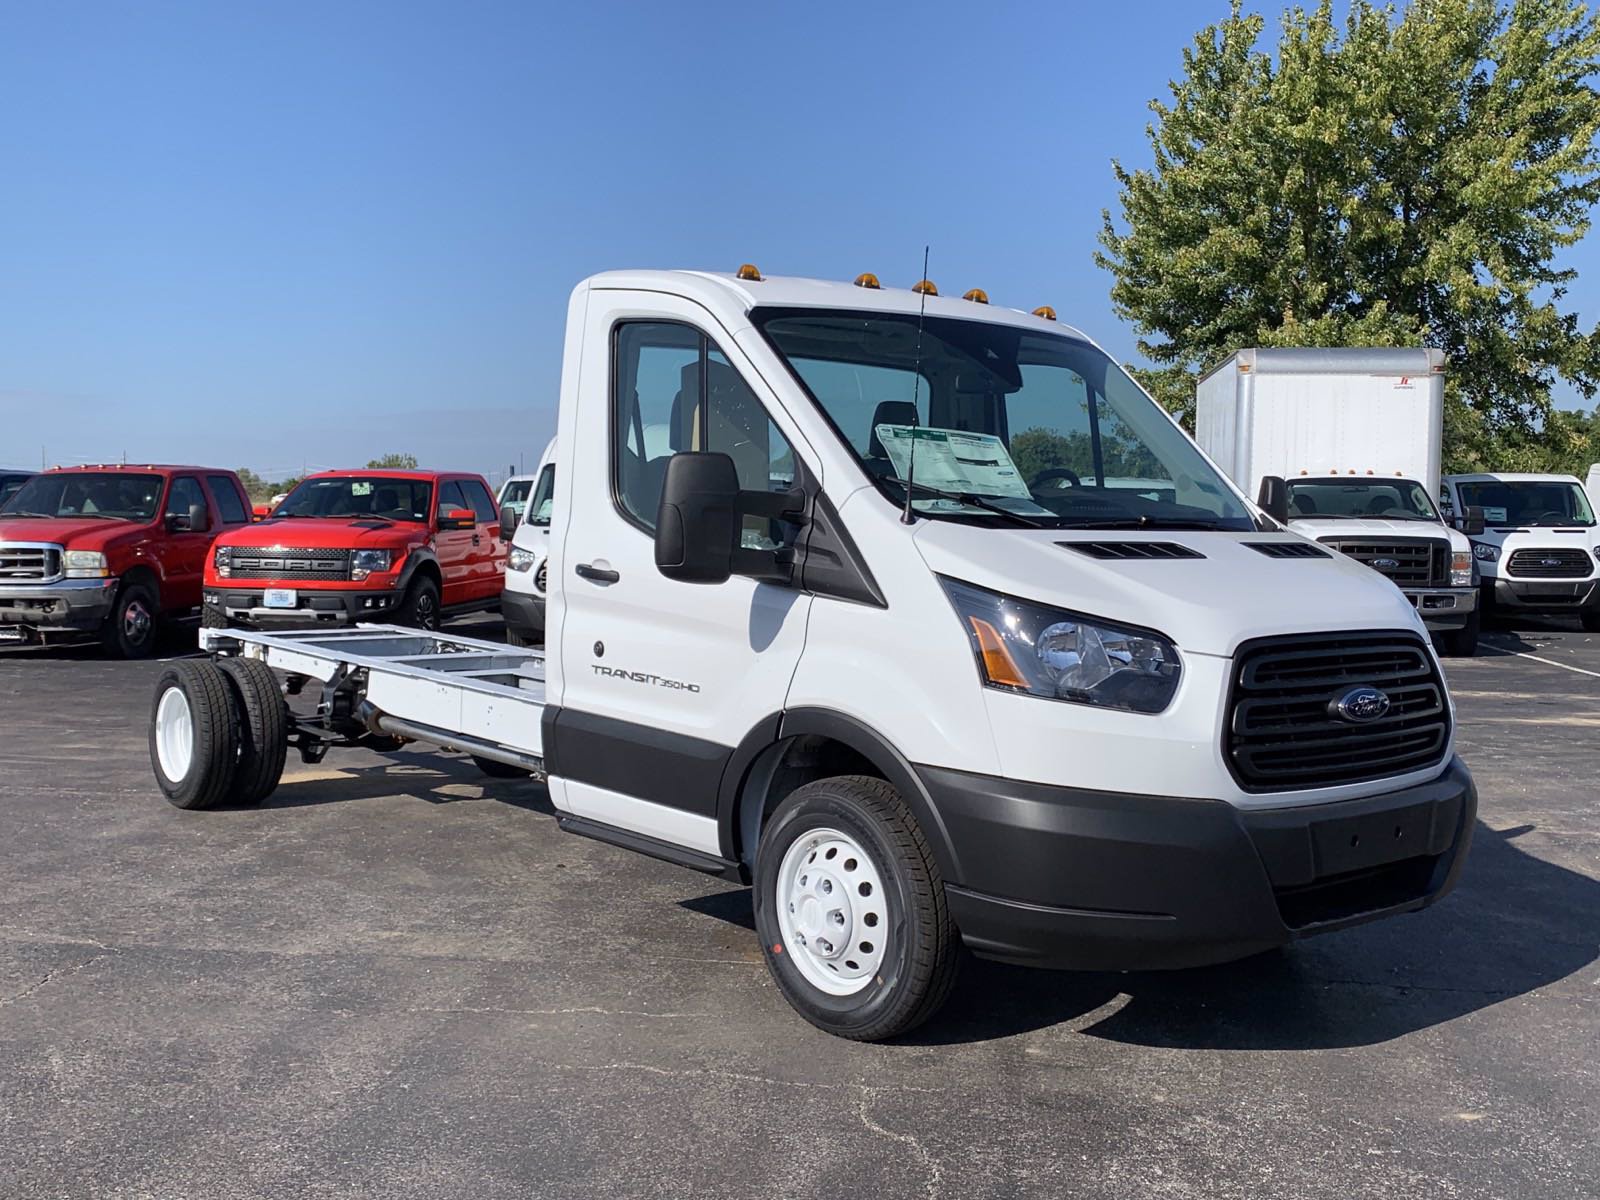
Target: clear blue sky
{"points": [[311, 233]]}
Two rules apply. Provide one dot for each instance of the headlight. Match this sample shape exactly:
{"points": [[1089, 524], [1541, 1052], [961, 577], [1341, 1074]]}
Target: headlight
{"points": [[1484, 552], [1460, 569], [365, 562], [84, 564], [222, 562], [518, 559], [1026, 647]]}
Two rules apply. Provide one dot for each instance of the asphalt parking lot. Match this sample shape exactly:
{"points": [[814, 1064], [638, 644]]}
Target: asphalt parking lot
{"points": [[398, 979]]}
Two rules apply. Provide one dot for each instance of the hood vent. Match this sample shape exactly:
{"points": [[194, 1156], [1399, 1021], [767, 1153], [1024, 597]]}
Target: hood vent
{"points": [[1132, 549], [1287, 549]]}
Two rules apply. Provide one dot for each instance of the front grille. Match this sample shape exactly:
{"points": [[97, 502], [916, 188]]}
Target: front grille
{"points": [[289, 563], [1132, 549], [1284, 731], [1410, 562], [29, 562], [1566, 563]]}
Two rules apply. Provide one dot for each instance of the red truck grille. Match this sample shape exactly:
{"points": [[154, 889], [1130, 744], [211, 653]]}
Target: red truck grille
{"points": [[289, 563], [29, 562]]}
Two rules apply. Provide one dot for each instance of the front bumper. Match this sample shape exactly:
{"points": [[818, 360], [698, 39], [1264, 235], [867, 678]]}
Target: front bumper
{"points": [[1061, 877], [1546, 595], [523, 612], [245, 607], [79, 605], [1443, 609]]}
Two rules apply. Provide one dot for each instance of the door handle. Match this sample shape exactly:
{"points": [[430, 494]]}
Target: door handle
{"points": [[597, 574]]}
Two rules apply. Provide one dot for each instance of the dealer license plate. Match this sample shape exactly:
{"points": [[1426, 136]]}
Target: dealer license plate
{"points": [[280, 598]]}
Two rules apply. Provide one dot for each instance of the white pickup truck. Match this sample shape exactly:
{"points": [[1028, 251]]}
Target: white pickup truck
{"points": [[843, 606]]}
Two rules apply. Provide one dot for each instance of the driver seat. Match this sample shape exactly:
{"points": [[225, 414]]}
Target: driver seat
{"points": [[888, 412]]}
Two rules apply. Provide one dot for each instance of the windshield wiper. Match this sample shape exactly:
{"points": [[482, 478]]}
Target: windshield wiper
{"points": [[1145, 521], [971, 500], [17, 512]]}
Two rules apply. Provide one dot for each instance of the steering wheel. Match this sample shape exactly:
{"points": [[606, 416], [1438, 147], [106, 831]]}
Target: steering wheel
{"points": [[1051, 475], [1560, 518]]}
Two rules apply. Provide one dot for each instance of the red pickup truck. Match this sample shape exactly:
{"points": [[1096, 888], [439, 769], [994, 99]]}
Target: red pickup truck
{"points": [[110, 551], [406, 547]]}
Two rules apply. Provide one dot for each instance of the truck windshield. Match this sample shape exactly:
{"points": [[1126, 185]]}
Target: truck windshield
{"points": [[1370, 499], [1035, 425], [1528, 502], [360, 496], [122, 497], [515, 492]]}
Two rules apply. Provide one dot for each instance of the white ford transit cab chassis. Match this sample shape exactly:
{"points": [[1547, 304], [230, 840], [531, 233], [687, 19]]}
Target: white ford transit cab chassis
{"points": [[1072, 702]]}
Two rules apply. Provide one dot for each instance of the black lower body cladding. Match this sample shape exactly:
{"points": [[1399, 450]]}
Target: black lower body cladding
{"points": [[1062, 877], [1541, 595]]}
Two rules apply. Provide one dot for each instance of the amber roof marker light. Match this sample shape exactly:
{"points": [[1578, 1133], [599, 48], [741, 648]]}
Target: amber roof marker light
{"points": [[1045, 311], [925, 287], [977, 296], [868, 280], [748, 271]]}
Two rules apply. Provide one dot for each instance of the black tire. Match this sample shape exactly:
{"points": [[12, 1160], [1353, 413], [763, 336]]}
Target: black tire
{"points": [[213, 724], [420, 608], [500, 770], [130, 629], [1463, 642], [213, 616], [1591, 619], [922, 948], [263, 729]]}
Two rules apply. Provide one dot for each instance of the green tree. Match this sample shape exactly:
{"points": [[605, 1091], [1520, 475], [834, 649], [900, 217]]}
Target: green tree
{"points": [[1408, 178], [394, 462], [255, 487]]}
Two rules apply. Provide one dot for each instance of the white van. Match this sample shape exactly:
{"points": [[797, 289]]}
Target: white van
{"points": [[841, 605], [522, 599], [1538, 549]]}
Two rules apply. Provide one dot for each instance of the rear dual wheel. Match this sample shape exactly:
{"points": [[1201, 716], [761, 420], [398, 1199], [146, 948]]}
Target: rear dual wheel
{"points": [[851, 910], [218, 733]]}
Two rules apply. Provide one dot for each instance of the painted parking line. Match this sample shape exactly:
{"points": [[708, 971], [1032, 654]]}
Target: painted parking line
{"points": [[1549, 662]]}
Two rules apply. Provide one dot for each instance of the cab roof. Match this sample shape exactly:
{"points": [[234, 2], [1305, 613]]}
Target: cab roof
{"points": [[1512, 477], [719, 292], [388, 473], [140, 468]]}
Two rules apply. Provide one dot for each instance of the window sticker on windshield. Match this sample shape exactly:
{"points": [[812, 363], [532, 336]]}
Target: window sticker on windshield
{"points": [[360, 488], [953, 460], [1494, 514]]}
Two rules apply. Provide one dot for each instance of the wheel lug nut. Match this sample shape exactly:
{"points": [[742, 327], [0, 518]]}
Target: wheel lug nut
{"points": [[827, 887], [838, 917]]}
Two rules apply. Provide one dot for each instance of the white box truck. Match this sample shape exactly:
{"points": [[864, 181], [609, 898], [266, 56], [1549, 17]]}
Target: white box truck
{"points": [[1355, 436], [1037, 692]]}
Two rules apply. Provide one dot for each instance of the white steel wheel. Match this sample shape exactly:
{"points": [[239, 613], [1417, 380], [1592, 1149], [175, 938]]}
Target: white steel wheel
{"points": [[174, 734], [831, 908]]}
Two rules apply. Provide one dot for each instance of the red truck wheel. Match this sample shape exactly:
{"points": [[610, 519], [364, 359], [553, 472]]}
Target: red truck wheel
{"points": [[130, 630]]}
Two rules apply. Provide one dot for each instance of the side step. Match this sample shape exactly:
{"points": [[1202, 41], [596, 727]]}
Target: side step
{"points": [[709, 864]]}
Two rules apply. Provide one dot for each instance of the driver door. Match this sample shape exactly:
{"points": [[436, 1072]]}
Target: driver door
{"points": [[184, 559]]}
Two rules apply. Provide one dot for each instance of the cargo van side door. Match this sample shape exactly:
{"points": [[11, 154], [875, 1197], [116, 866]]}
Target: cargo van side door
{"points": [[659, 680]]}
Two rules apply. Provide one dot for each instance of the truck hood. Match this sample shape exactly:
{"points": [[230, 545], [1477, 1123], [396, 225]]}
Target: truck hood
{"points": [[76, 533], [1316, 530], [1207, 605], [321, 533]]}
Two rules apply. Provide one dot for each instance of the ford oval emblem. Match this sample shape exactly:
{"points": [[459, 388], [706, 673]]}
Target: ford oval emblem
{"points": [[1390, 563], [1360, 705]]}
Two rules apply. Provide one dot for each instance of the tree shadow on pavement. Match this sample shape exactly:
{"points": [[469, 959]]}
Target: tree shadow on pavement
{"points": [[1515, 923]]}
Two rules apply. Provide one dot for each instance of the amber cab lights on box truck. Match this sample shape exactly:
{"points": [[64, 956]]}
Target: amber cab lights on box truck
{"points": [[918, 615], [411, 547]]}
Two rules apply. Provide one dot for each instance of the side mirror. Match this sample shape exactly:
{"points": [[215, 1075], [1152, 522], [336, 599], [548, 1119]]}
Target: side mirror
{"points": [[191, 521], [458, 518], [261, 512], [1273, 498], [697, 525], [1472, 523], [508, 521]]}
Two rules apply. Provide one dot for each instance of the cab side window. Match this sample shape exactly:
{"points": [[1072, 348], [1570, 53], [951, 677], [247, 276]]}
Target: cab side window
{"points": [[229, 503], [673, 390], [451, 499], [479, 500], [185, 493]]}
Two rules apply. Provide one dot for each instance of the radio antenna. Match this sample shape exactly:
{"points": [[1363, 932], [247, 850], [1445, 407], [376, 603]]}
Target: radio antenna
{"points": [[908, 517]]}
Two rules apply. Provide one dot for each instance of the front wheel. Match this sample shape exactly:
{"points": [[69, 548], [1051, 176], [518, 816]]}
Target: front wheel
{"points": [[851, 910], [420, 609], [1463, 642], [130, 629]]}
